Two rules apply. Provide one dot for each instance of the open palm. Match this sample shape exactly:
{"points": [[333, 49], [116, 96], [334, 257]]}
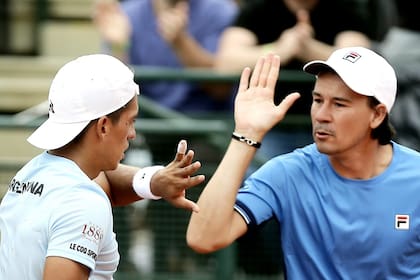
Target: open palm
{"points": [[255, 111]]}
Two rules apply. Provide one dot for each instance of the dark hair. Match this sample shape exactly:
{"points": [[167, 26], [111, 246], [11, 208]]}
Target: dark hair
{"points": [[385, 131], [113, 116]]}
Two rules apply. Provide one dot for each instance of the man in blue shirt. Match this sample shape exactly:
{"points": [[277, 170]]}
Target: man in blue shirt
{"points": [[347, 204]]}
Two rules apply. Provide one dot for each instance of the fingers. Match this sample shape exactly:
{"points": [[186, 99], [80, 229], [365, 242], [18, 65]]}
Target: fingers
{"points": [[273, 74], [262, 79], [244, 81], [266, 72], [181, 150], [189, 170], [256, 72], [182, 202]]}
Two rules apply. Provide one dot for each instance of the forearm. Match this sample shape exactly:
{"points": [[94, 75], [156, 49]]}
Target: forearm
{"points": [[120, 185], [352, 38], [314, 49], [234, 58], [215, 227], [191, 53], [238, 49]]}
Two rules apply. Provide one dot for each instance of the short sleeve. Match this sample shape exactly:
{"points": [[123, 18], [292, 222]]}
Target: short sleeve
{"points": [[79, 226]]}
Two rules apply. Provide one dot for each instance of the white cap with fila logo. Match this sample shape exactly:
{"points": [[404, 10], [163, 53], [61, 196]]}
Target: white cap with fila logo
{"points": [[363, 71]]}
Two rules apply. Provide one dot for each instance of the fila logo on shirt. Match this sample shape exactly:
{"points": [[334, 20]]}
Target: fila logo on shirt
{"points": [[402, 222]]}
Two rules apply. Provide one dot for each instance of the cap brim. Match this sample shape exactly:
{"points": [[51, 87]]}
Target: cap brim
{"points": [[51, 135], [316, 66]]}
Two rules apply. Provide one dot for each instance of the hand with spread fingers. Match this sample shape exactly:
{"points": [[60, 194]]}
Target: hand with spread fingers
{"points": [[172, 181], [255, 111]]}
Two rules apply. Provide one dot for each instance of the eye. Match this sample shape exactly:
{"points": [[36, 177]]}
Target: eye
{"points": [[316, 100]]}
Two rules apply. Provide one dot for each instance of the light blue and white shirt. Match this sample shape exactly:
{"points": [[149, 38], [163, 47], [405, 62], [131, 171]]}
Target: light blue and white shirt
{"points": [[52, 208]]}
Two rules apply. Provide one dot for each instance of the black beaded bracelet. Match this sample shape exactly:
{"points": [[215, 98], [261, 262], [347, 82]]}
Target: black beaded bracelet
{"points": [[245, 140]]}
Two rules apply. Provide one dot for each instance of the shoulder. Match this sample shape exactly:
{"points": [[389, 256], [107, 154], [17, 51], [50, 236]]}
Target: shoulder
{"points": [[300, 160], [402, 152]]}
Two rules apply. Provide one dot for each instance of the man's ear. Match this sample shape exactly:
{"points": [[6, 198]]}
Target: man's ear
{"points": [[379, 115], [102, 125]]}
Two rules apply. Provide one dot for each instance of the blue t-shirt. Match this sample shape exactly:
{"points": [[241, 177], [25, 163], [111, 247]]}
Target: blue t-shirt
{"points": [[338, 228], [207, 20]]}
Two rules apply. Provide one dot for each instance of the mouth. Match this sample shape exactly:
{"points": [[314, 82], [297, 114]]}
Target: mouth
{"points": [[322, 134]]}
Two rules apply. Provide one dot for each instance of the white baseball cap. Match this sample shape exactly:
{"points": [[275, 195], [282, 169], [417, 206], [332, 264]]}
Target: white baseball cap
{"points": [[83, 90], [363, 71]]}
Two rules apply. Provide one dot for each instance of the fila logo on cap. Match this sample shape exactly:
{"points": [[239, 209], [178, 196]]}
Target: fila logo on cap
{"points": [[402, 222], [352, 57]]}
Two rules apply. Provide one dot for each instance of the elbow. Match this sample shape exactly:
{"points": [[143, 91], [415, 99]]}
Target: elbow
{"points": [[197, 247], [203, 245], [200, 246]]}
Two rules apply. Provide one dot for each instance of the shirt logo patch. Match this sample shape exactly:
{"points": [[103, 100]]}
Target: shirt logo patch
{"points": [[402, 222], [352, 57]]}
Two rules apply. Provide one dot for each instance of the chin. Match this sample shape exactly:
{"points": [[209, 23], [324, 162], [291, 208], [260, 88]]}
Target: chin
{"points": [[323, 147]]}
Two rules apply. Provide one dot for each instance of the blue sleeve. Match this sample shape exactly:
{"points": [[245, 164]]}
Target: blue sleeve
{"points": [[259, 199]]}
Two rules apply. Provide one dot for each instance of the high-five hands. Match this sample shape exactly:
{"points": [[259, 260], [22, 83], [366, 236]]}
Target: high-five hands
{"points": [[255, 111], [172, 181]]}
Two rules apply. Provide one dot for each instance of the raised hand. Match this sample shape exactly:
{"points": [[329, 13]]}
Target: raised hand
{"points": [[173, 22], [255, 111], [111, 22], [172, 181]]}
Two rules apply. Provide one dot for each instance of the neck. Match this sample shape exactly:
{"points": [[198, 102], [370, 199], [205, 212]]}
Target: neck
{"points": [[364, 164], [80, 157]]}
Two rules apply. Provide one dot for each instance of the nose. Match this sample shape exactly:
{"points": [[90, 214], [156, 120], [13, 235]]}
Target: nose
{"points": [[321, 113], [132, 133]]}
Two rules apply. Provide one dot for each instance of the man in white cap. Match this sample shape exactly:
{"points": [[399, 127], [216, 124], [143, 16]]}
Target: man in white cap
{"points": [[55, 220], [347, 205]]}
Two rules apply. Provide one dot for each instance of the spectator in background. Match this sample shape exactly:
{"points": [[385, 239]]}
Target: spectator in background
{"points": [[298, 31], [169, 33], [401, 47]]}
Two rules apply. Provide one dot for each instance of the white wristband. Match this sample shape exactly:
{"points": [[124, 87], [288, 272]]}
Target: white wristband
{"points": [[141, 182]]}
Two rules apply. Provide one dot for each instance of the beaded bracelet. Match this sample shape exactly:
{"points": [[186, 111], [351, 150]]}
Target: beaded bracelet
{"points": [[245, 140]]}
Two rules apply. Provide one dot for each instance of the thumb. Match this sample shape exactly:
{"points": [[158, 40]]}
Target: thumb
{"points": [[287, 102], [182, 202]]}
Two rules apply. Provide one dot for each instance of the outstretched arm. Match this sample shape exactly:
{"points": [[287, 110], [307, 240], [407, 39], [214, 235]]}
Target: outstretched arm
{"points": [[217, 225], [169, 182]]}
